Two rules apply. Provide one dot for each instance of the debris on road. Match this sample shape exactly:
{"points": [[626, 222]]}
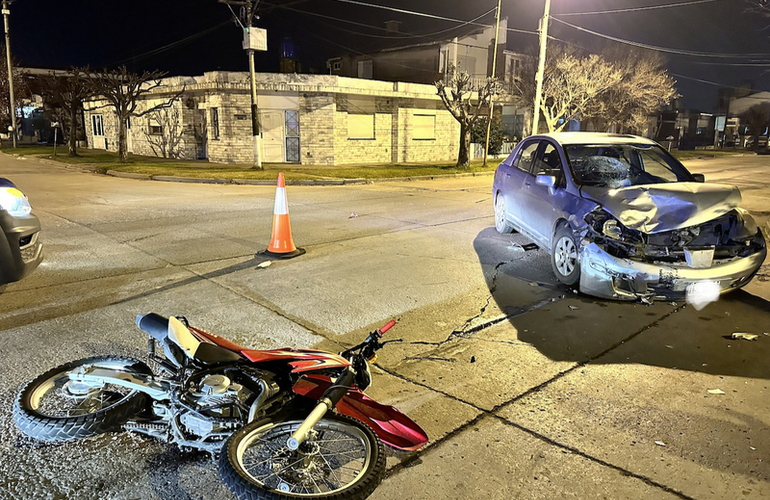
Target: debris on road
{"points": [[516, 247], [266, 263], [573, 308], [716, 391], [646, 301], [534, 283], [660, 443], [353, 215], [744, 336], [473, 359]]}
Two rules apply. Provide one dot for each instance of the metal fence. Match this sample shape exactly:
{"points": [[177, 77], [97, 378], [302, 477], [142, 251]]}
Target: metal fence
{"points": [[477, 150]]}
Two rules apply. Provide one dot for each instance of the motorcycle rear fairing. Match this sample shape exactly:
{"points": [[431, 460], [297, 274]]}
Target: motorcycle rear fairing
{"points": [[393, 427]]}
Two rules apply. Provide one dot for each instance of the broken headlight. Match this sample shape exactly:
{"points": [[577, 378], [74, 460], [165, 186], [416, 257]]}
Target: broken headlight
{"points": [[603, 223]]}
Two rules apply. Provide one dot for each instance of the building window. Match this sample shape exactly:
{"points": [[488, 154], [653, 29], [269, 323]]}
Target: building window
{"points": [[365, 69], [337, 65], [98, 124], [292, 136], [154, 127], [360, 126], [423, 127], [215, 122]]}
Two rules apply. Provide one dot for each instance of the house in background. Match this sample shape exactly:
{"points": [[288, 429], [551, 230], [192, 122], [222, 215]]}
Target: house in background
{"points": [[470, 48], [307, 119]]}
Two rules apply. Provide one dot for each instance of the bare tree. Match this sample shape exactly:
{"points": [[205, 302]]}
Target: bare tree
{"points": [[168, 142], [66, 91], [20, 93], [757, 118], [458, 93], [123, 90], [644, 88]]}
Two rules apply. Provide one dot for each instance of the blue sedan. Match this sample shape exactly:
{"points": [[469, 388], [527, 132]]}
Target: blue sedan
{"points": [[623, 219]]}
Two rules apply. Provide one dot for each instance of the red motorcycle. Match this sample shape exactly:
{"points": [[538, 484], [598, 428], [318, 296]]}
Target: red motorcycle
{"points": [[287, 423]]}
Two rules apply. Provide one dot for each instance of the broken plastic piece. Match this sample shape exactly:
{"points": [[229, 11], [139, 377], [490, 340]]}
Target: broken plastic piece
{"points": [[534, 283], [353, 215], [660, 443], [264, 264], [744, 336], [573, 308], [473, 359], [516, 247], [716, 391], [646, 300]]}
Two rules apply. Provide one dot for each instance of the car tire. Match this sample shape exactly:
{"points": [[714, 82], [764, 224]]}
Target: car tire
{"points": [[501, 222], [565, 261]]}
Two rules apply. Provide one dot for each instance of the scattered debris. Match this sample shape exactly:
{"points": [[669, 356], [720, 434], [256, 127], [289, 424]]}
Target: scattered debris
{"points": [[574, 290], [353, 215], [766, 334], [744, 336], [727, 313], [669, 346], [534, 283], [266, 263], [752, 448], [516, 247], [573, 308], [473, 359], [660, 443], [673, 304], [716, 391], [646, 301]]}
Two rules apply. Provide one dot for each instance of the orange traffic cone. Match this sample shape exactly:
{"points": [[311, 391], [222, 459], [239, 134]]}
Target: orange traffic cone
{"points": [[281, 244]]}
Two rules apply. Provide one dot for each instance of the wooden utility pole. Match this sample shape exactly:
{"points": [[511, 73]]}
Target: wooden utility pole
{"points": [[494, 69], [253, 39], [541, 65], [12, 100]]}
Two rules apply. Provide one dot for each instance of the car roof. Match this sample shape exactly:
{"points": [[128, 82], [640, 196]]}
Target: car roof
{"points": [[596, 138]]}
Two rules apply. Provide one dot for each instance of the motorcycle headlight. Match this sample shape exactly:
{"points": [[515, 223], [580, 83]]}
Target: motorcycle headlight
{"points": [[14, 202]]}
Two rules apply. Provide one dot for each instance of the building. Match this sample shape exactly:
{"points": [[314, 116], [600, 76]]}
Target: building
{"points": [[307, 119]]}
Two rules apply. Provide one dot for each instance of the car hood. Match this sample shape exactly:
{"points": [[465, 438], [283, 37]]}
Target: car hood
{"points": [[656, 208]]}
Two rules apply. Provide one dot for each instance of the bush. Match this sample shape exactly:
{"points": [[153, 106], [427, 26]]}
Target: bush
{"points": [[479, 134]]}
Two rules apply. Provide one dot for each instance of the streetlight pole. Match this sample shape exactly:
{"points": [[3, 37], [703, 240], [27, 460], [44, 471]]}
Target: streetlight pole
{"points": [[543, 29], [494, 69], [12, 101]]}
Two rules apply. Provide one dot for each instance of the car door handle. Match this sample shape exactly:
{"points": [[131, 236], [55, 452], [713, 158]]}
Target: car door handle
{"points": [[527, 184]]}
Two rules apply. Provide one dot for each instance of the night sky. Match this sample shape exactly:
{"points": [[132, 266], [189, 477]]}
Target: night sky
{"points": [[193, 36]]}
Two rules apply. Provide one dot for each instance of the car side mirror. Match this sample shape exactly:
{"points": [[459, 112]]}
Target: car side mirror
{"points": [[699, 177], [545, 180]]}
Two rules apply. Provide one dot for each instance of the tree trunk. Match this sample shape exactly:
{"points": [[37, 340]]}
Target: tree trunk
{"points": [[122, 146], [464, 157], [72, 143]]}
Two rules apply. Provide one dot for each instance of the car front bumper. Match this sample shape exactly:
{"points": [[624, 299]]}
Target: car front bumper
{"points": [[20, 249], [603, 275]]}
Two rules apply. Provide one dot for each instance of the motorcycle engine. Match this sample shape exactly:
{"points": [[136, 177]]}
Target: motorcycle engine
{"points": [[217, 397]]}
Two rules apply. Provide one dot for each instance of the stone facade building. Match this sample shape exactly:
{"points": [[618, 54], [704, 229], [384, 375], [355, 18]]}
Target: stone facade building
{"points": [[307, 119]]}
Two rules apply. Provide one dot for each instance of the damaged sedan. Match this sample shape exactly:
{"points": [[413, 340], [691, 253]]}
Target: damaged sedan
{"points": [[623, 219]]}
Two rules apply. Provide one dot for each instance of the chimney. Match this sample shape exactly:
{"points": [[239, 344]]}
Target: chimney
{"points": [[392, 26]]}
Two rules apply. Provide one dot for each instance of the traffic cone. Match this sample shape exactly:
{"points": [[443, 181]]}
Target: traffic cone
{"points": [[281, 243]]}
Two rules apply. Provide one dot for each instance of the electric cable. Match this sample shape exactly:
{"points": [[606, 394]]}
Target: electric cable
{"points": [[637, 9]]}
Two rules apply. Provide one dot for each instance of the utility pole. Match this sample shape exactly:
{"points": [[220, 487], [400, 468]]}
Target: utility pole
{"points": [[494, 69], [543, 29], [12, 100], [253, 39]]}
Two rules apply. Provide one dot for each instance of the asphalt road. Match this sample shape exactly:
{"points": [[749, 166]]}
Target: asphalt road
{"points": [[526, 389]]}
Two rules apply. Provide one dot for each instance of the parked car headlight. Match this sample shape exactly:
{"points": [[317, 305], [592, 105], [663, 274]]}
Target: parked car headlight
{"points": [[14, 202]]}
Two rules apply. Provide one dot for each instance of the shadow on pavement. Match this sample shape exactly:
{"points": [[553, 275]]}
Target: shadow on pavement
{"points": [[579, 328]]}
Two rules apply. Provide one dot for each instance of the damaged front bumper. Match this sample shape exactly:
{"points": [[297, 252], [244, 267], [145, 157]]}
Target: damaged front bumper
{"points": [[603, 275]]}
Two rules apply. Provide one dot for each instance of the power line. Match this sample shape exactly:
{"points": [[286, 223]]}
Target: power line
{"points": [[637, 9], [667, 50]]}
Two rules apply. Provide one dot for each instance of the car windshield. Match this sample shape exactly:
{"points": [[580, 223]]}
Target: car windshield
{"points": [[622, 165]]}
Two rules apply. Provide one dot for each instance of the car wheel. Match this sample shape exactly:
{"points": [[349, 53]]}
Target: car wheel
{"points": [[501, 223], [564, 256]]}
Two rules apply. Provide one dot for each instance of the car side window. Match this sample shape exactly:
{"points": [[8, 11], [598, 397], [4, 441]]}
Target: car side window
{"points": [[549, 163], [526, 156]]}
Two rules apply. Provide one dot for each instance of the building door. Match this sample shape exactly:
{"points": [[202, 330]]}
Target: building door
{"points": [[272, 124]]}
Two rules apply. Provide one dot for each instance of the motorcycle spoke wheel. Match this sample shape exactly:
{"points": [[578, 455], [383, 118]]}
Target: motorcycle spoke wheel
{"points": [[342, 459]]}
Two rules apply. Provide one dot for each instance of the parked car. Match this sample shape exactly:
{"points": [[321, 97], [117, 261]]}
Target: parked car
{"points": [[20, 250], [624, 219]]}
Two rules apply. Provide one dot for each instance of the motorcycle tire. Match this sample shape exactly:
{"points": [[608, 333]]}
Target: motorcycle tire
{"points": [[41, 412], [263, 444]]}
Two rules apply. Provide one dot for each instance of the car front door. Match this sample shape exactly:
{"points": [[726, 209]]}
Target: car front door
{"points": [[540, 204]]}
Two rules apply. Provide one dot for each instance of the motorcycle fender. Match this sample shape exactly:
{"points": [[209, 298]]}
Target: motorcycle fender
{"points": [[392, 427]]}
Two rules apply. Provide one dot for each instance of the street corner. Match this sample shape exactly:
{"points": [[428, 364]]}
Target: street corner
{"points": [[495, 460]]}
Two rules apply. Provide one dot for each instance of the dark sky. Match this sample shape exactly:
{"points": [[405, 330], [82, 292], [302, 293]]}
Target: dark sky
{"points": [[192, 36]]}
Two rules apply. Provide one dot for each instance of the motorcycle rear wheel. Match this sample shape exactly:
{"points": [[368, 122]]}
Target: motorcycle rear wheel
{"points": [[345, 460], [54, 408]]}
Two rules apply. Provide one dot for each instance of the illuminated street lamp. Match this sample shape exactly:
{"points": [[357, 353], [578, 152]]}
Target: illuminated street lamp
{"points": [[543, 30]]}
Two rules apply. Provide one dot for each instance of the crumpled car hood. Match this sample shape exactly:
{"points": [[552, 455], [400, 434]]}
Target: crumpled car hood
{"points": [[656, 208]]}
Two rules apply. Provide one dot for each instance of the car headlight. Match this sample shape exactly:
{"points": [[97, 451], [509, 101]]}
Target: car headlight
{"points": [[604, 223], [14, 202]]}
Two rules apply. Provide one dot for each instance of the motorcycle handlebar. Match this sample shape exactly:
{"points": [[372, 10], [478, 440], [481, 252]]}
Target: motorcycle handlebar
{"points": [[385, 328]]}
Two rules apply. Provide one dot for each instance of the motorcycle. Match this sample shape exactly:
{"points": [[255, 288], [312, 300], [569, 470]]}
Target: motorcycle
{"points": [[286, 423]]}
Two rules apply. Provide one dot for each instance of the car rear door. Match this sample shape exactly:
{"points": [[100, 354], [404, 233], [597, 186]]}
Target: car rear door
{"points": [[515, 176]]}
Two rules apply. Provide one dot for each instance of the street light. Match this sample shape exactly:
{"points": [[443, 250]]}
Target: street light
{"points": [[543, 29]]}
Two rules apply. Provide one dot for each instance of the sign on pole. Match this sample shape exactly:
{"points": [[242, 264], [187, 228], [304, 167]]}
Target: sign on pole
{"points": [[255, 39]]}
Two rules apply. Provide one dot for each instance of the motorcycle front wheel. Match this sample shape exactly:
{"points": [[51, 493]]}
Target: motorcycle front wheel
{"points": [[55, 408], [343, 459]]}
